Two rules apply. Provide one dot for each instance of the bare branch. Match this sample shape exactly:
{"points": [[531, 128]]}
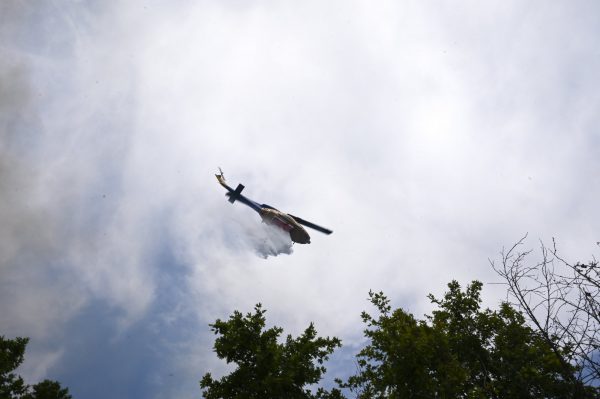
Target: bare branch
{"points": [[562, 302]]}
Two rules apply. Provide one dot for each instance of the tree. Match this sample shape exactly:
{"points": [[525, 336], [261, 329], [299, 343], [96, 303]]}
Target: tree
{"points": [[48, 389], [12, 354], [265, 367], [460, 351], [12, 386], [561, 300]]}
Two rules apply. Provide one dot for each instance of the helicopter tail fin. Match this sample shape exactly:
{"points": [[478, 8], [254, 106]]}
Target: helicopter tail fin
{"points": [[221, 177]]}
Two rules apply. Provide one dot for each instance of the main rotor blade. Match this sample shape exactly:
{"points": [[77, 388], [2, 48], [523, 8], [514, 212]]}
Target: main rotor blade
{"points": [[311, 225]]}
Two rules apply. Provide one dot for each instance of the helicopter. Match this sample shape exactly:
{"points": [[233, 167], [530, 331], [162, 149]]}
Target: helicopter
{"points": [[285, 221]]}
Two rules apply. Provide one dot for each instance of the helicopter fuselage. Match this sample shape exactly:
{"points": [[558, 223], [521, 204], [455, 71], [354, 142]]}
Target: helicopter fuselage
{"points": [[286, 222]]}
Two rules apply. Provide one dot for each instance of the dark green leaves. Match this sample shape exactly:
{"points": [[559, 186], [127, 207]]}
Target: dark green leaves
{"points": [[12, 386], [12, 352], [460, 351], [48, 390], [265, 367]]}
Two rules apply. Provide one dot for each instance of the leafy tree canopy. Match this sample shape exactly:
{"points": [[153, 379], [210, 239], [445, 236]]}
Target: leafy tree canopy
{"points": [[12, 353], [48, 389], [267, 368], [12, 386], [460, 351]]}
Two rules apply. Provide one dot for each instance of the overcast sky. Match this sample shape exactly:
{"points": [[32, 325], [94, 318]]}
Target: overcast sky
{"points": [[426, 134]]}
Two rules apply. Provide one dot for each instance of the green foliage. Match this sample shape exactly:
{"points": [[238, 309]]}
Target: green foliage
{"points": [[460, 351], [12, 386], [48, 389], [12, 352], [265, 367]]}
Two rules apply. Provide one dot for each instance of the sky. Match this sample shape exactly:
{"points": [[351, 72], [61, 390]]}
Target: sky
{"points": [[426, 135]]}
